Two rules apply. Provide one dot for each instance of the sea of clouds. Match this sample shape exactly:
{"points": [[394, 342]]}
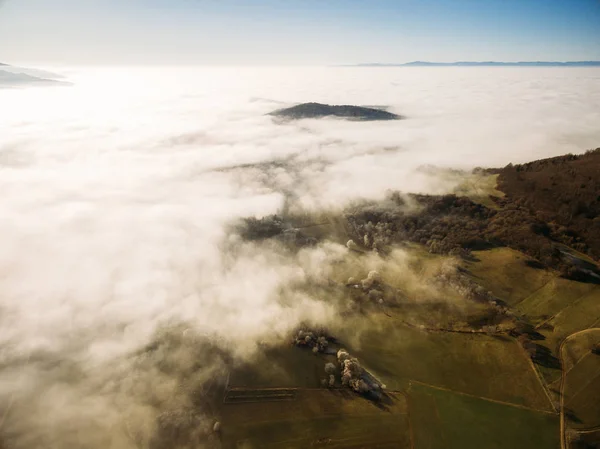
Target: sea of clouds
{"points": [[118, 194]]}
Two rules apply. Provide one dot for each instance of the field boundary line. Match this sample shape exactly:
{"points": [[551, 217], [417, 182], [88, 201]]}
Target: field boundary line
{"points": [[563, 378], [590, 430], [543, 383], [437, 387], [325, 415], [411, 432], [582, 388], [345, 441], [578, 361], [595, 323], [548, 273], [563, 309], [557, 314]]}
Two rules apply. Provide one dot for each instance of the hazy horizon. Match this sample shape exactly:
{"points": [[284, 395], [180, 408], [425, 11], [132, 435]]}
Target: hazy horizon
{"points": [[307, 32]]}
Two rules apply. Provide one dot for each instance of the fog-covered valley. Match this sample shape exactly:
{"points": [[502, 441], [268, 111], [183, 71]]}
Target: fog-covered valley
{"points": [[125, 287]]}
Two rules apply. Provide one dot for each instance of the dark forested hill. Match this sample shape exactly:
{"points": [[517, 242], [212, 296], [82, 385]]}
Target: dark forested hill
{"points": [[318, 110], [550, 206], [563, 192]]}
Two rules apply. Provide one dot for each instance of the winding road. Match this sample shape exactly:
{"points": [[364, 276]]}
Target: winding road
{"points": [[563, 435]]}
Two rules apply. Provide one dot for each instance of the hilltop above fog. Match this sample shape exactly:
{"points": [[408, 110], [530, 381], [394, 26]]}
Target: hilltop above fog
{"points": [[562, 191], [13, 76], [319, 110]]}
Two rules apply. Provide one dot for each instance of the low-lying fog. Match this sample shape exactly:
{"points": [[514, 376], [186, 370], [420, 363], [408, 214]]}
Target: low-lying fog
{"points": [[118, 192]]}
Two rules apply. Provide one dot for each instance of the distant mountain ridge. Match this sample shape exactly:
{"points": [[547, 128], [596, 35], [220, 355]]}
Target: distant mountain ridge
{"points": [[484, 64], [10, 79], [12, 76]]}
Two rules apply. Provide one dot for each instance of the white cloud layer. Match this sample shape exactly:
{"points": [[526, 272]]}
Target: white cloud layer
{"points": [[117, 193]]}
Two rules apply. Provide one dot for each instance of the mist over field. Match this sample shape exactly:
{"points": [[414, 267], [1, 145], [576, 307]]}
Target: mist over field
{"points": [[119, 194]]}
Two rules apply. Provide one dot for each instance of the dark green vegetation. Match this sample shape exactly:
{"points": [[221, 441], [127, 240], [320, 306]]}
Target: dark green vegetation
{"points": [[319, 110]]}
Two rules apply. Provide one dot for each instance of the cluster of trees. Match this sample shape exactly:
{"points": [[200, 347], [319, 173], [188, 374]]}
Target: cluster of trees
{"points": [[563, 192], [273, 226], [262, 228], [527, 335], [538, 353], [316, 341], [442, 223], [455, 225], [371, 287], [355, 376], [351, 374], [449, 274]]}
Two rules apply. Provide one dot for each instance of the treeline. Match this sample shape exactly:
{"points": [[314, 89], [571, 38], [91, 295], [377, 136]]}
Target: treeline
{"points": [[548, 203], [562, 192], [456, 225]]}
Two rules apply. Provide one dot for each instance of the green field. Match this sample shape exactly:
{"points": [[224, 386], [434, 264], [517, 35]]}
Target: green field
{"points": [[465, 389], [577, 347], [560, 307], [493, 367], [318, 418], [582, 381], [503, 271], [539, 294], [284, 366], [445, 420], [583, 394], [553, 297], [582, 314], [478, 364]]}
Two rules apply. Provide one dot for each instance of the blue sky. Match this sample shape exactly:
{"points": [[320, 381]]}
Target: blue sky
{"points": [[296, 31]]}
